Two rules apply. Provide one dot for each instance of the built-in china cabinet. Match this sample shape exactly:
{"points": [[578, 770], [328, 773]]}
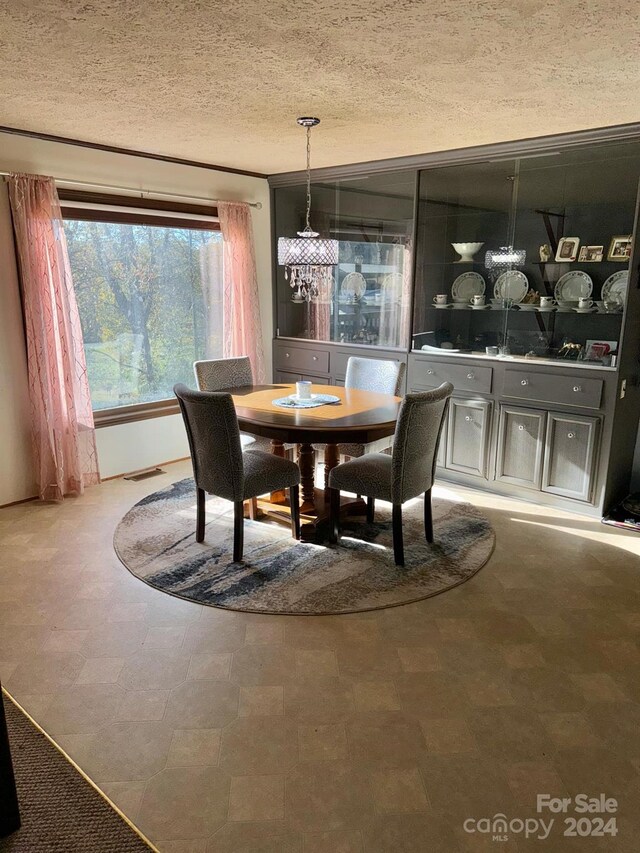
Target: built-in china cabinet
{"points": [[510, 271]]}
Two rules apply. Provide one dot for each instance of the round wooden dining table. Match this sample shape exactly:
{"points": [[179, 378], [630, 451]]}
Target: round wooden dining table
{"points": [[360, 417]]}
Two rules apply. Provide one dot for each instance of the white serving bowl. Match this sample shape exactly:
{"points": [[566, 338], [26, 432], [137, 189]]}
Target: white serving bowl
{"points": [[466, 251]]}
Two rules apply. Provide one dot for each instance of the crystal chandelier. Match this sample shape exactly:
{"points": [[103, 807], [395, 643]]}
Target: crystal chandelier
{"points": [[308, 259]]}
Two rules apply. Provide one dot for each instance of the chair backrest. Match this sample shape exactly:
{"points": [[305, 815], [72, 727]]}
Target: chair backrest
{"points": [[415, 445], [216, 374], [375, 374], [214, 441]]}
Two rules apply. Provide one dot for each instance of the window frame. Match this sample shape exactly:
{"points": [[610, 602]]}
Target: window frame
{"points": [[179, 215]]}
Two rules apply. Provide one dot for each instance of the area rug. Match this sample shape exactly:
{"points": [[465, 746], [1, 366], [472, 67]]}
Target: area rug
{"points": [[60, 809], [156, 541]]}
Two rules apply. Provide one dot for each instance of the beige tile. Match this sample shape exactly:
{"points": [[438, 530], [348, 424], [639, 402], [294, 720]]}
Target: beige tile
{"points": [[202, 704], [322, 743], [259, 745], [264, 836], [206, 666], [194, 748], [184, 803], [127, 612], [263, 665], [328, 796], [81, 709], [264, 632], [126, 752], [198, 845], [256, 798], [522, 656], [321, 663], [528, 779], [46, 673], [65, 641], [396, 791], [453, 629], [127, 796], [101, 671], [261, 701], [368, 662], [570, 730], [214, 636], [334, 842], [448, 735], [139, 705], [154, 670], [488, 689], [165, 637], [416, 832], [599, 687], [375, 696], [384, 740], [7, 667], [117, 640], [419, 659], [319, 700]]}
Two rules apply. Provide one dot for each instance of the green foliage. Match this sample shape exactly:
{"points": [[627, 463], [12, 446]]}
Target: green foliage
{"points": [[149, 299]]}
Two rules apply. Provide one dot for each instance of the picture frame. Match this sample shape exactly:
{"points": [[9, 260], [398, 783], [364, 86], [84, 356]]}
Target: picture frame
{"points": [[591, 254], [567, 249], [620, 248]]}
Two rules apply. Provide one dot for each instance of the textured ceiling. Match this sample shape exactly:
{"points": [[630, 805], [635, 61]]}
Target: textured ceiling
{"points": [[223, 82]]}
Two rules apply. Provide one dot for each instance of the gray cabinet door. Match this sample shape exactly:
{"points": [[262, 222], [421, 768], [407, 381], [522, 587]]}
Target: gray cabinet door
{"points": [[521, 438], [467, 436], [569, 455]]}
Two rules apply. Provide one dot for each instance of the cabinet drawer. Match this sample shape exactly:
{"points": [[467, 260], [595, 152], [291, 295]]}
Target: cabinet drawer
{"points": [[296, 359], [521, 439], [282, 376], [569, 457], [468, 426], [430, 374], [584, 392]]}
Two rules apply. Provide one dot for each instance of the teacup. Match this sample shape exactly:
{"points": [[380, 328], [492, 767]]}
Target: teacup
{"points": [[440, 299], [303, 389], [611, 304], [477, 300], [547, 301], [585, 302]]}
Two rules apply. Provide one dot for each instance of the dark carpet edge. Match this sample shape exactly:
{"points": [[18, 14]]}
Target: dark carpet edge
{"points": [[118, 813]]}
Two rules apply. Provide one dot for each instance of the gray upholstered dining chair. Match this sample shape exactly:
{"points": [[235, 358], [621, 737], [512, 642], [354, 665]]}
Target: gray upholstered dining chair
{"points": [[221, 468], [218, 374], [406, 473], [371, 374]]}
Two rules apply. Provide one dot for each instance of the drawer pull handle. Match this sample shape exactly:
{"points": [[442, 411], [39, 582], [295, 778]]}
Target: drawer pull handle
{"points": [[471, 376], [287, 355], [315, 357], [520, 427], [577, 388], [430, 372], [469, 419], [571, 435], [524, 381]]}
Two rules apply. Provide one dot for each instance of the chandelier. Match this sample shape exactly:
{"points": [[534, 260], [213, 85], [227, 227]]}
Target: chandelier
{"points": [[308, 259]]}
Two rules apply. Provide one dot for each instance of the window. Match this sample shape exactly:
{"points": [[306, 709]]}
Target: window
{"points": [[149, 292]]}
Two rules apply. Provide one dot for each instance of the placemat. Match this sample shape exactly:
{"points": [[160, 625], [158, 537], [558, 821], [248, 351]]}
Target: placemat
{"points": [[317, 400]]}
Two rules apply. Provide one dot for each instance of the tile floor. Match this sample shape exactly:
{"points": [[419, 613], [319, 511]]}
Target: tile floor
{"points": [[371, 733]]}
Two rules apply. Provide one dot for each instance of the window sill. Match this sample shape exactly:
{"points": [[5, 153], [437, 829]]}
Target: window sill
{"points": [[138, 412]]}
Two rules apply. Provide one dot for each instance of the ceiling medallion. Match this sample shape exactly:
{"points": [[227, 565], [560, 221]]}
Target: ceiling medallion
{"points": [[308, 259]]}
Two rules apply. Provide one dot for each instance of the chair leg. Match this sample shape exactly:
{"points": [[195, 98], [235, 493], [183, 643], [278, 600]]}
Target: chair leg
{"points": [[428, 517], [238, 531], [398, 545], [200, 496], [371, 509], [294, 501], [334, 521]]}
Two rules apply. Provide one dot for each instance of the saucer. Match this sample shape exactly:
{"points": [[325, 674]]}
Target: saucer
{"points": [[585, 310], [448, 305], [546, 310], [479, 307]]}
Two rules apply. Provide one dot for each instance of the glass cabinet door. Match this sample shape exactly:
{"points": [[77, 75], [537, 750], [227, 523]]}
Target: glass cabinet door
{"points": [[464, 215], [573, 214], [370, 299]]}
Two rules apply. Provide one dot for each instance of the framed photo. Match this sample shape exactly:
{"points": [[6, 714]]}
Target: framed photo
{"points": [[620, 248], [591, 254], [568, 249]]}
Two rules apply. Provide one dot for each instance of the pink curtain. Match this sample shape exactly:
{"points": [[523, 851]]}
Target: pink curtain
{"points": [[242, 330], [61, 415]]}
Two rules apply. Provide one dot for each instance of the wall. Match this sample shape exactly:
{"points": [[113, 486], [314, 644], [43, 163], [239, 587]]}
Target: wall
{"points": [[131, 446]]}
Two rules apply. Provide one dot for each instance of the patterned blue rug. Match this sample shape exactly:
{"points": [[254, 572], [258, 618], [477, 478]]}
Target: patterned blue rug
{"points": [[156, 542]]}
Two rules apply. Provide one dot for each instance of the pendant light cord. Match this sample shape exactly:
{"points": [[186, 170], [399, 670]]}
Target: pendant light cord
{"points": [[308, 176]]}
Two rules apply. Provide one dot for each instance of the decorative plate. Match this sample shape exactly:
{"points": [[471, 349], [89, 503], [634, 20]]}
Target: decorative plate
{"points": [[467, 285], [615, 287], [513, 285], [354, 285], [572, 286], [391, 287]]}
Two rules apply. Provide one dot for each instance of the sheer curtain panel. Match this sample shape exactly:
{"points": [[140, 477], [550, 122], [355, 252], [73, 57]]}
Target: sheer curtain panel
{"points": [[241, 305], [63, 432]]}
